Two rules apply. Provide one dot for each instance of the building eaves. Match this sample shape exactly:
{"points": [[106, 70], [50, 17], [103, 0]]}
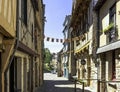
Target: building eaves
{"points": [[26, 49], [98, 4]]}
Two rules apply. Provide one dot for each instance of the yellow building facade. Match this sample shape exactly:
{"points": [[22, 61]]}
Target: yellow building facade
{"points": [[21, 45], [7, 36]]}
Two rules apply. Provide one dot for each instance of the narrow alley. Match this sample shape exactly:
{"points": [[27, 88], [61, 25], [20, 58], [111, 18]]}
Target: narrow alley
{"points": [[59, 45], [52, 83]]}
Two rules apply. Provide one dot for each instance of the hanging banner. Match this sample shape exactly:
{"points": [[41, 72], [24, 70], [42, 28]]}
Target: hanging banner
{"points": [[64, 40], [50, 39], [57, 40]]}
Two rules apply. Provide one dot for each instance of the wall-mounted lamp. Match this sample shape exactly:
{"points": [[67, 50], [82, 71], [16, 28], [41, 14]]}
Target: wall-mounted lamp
{"points": [[83, 62]]}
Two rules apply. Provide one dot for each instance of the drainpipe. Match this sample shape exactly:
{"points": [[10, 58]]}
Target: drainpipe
{"points": [[98, 27], [98, 39], [96, 30], [15, 46]]}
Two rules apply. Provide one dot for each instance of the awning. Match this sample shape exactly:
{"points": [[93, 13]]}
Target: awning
{"points": [[109, 47], [83, 47]]}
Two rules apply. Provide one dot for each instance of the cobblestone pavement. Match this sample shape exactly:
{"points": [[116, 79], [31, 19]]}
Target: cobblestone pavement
{"points": [[52, 83]]}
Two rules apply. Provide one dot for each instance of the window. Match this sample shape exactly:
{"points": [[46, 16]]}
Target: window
{"points": [[24, 11], [77, 42], [35, 40], [32, 31], [77, 35], [86, 22], [112, 33], [113, 65]]}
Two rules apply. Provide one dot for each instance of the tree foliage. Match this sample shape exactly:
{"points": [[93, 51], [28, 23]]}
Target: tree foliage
{"points": [[48, 56]]}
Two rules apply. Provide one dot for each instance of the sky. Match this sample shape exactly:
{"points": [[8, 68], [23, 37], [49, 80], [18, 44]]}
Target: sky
{"points": [[55, 13]]}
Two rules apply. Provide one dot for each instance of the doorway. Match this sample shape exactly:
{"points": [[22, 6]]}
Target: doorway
{"points": [[0, 73], [13, 75]]}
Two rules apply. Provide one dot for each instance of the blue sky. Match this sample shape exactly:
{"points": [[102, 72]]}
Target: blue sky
{"points": [[55, 12]]}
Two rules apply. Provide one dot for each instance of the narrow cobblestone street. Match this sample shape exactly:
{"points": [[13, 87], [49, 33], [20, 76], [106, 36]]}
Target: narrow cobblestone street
{"points": [[52, 83]]}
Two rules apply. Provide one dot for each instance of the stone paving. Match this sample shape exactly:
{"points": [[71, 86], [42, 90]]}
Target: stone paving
{"points": [[52, 83]]}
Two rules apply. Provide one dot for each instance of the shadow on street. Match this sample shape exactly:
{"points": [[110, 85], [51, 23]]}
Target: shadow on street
{"points": [[52, 83], [60, 86]]}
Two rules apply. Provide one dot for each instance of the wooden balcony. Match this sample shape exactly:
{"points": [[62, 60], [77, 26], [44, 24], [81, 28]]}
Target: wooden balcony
{"points": [[84, 42], [8, 17], [80, 7]]}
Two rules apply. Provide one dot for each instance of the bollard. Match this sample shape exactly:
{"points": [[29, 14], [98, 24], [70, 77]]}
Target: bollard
{"points": [[98, 86], [75, 80], [75, 84], [83, 87]]}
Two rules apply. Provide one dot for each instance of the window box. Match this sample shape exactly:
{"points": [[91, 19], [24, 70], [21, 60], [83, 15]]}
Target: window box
{"points": [[111, 25]]}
